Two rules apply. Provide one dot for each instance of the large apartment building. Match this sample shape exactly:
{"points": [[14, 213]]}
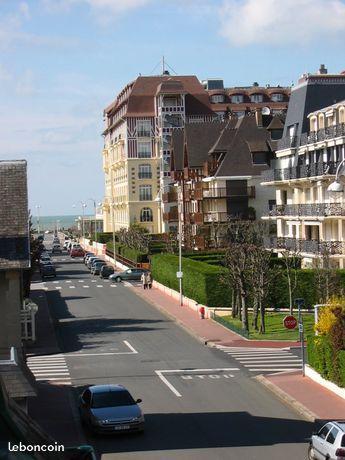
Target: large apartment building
{"points": [[310, 218], [137, 138]]}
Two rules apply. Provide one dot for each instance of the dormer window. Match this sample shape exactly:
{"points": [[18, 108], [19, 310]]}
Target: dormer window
{"points": [[237, 98], [257, 98], [277, 97], [217, 98]]}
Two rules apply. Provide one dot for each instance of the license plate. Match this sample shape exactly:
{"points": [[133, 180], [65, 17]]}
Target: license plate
{"points": [[122, 427]]}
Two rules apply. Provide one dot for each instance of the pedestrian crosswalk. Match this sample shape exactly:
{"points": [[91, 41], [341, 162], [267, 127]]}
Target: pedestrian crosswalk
{"points": [[50, 368], [263, 360]]}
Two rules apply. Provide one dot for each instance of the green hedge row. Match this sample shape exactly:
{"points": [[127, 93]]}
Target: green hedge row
{"points": [[322, 358], [104, 237], [201, 282], [129, 253]]}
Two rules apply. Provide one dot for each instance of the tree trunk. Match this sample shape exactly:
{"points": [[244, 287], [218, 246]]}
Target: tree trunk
{"points": [[255, 313], [262, 318], [244, 310], [290, 294]]}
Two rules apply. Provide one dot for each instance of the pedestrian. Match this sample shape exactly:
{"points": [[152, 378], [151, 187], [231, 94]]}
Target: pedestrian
{"points": [[144, 280], [149, 279]]}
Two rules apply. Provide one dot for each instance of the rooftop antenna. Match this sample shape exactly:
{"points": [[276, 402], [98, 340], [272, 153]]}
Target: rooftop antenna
{"points": [[163, 66]]}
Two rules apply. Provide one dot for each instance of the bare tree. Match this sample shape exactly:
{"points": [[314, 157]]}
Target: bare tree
{"points": [[326, 277], [291, 263]]}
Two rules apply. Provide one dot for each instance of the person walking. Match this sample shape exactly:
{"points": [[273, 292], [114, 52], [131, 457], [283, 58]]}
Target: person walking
{"points": [[144, 280], [149, 280]]}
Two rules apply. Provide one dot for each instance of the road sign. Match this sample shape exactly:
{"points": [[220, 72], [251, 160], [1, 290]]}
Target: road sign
{"points": [[179, 275], [300, 327], [290, 322]]}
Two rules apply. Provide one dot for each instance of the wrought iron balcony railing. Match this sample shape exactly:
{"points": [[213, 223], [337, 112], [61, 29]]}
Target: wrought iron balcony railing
{"points": [[308, 210], [315, 247], [330, 132], [300, 172]]}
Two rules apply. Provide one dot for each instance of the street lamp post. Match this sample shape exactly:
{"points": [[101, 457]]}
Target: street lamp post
{"points": [[180, 231], [38, 217], [95, 209], [113, 228], [336, 186], [83, 206]]}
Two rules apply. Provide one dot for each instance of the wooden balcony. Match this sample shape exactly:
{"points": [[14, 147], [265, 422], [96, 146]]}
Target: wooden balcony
{"points": [[170, 197]]}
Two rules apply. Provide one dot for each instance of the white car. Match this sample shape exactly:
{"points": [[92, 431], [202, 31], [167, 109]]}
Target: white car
{"points": [[328, 443]]}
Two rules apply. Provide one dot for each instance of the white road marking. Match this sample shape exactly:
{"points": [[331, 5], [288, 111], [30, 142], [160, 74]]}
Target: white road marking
{"points": [[80, 281], [58, 287], [68, 281], [55, 282], [109, 353], [49, 367], [99, 285], [113, 285], [176, 371], [93, 281], [72, 287], [86, 286]]}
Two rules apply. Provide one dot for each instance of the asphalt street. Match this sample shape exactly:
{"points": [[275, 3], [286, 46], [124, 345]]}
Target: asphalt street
{"points": [[198, 402]]}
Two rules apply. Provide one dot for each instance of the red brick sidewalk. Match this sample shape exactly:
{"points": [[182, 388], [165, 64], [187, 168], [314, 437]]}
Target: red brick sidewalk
{"points": [[310, 399]]}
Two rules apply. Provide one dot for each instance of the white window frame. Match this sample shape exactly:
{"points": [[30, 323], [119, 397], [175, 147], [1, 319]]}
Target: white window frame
{"points": [[145, 192], [144, 128], [144, 171], [146, 152]]}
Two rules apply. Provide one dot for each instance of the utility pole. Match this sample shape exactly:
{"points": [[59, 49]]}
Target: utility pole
{"points": [[180, 273], [95, 209], [38, 218]]}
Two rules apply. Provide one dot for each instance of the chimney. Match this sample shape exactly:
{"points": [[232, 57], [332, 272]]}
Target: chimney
{"points": [[258, 117], [322, 70]]}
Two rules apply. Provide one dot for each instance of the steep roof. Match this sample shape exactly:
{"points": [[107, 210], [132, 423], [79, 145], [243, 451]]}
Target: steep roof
{"points": [[141, 98], [248, 139], [199, 138]]}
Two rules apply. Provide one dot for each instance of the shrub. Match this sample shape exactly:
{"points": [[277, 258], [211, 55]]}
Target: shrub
{"points": [[104, 237], [326, 320], [201, 282], [341, 362], [129, 253]]}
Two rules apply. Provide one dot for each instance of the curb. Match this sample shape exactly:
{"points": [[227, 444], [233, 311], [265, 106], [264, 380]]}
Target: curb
{"points": [[287, 399]]}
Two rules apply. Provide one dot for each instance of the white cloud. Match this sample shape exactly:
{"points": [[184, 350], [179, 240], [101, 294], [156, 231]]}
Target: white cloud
{"points": [[276, 22]]}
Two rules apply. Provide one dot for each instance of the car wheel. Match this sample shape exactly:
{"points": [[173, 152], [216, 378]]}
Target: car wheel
{"points": [[311, 455], [118, 279]]}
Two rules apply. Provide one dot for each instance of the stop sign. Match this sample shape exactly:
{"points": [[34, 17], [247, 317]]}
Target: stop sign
{"points": [[290, 322]]}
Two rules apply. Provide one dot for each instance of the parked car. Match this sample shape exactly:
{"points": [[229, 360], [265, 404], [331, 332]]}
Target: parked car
{"points": [[93, 262], [90, 261], [96, 267], [88, 254], [66, 243], [129, 274], [328, 443], [77, 252], [110, 409], [106, 271], [45, 259], [56, 249], [47, 270]]}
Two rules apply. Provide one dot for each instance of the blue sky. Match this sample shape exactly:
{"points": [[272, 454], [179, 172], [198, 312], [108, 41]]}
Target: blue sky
{"points": [[63, 61]]}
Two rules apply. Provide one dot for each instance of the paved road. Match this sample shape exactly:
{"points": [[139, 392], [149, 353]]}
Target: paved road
{"points": [[198, 402]]}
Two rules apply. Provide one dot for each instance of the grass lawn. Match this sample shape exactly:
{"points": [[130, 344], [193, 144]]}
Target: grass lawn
{"points": [[275, 329]]}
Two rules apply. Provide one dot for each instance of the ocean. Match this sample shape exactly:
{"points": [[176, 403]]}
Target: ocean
{"points": [[51, 222]]}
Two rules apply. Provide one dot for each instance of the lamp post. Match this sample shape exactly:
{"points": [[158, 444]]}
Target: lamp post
{"points": [[180, 230], [95, 209], [113, 227], [336, 186], [83, 206], [38, 207]]}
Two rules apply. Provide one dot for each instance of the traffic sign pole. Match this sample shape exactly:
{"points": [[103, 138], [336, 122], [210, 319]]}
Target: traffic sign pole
{"points": [[299, 303]]}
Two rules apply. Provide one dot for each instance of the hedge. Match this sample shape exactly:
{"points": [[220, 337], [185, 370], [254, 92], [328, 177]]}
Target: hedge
{"points": [[104, 237], [129, 253], [201, 282], [322, 358]]}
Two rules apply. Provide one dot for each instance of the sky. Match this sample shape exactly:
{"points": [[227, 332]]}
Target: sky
{"points": [[63, 61]]}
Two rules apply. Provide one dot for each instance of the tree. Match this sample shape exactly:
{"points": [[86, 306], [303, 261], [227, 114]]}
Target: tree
{"points": [[36, 249], [292, 263], [326, 277]]}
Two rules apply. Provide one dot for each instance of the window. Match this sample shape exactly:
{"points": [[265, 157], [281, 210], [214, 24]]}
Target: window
{"points": [[277, 97], [145, 192], [260, 158], [332, 435], [324, 431], [257, 98], [237, 98], [145, 172], [144, 149], [146, 215], [217, 98], [170, 102], [144, 128]]}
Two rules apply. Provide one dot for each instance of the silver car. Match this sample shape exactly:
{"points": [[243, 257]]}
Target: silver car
{"points": [[328, 443], [110, 409]]}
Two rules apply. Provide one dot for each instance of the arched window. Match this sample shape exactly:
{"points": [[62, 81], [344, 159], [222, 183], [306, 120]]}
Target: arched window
{"points": [[146, 215]]}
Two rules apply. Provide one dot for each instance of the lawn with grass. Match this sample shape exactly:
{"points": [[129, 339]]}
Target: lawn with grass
{"points": [[275, 329]]}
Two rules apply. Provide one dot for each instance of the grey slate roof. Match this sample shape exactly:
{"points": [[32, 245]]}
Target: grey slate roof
{"points": [[14, 215]]}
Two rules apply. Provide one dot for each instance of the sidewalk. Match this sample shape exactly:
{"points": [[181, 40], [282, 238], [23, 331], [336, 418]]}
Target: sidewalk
{"points": [[311, 400], [53, 408]]}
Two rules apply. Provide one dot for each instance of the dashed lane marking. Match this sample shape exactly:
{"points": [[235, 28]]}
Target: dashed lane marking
{"points": [[72, 287], [86, 286], [99, 285], [113, 285]]}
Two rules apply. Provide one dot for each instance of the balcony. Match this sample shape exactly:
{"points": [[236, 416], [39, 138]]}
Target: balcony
{"points": [[189, 195], [306, 246], [172, 109], [216, 217], [194, 218], [225, 193], [171, 216], [308, 210], [300, 172], [170, 197], [331, 132]]}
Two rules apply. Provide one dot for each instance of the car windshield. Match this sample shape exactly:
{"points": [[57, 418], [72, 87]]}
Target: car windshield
{"points": [[112, 399]]}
